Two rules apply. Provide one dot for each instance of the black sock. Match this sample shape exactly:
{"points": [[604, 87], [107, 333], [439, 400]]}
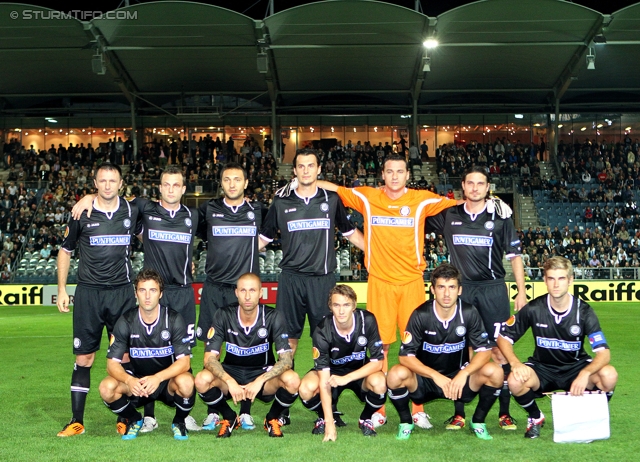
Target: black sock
{"points": [[149, 409], [458, 407], [245, 406], [123, 408], [283, 401], [528, 402], [505, 394], [315, 405], [213, 399], [488, 396], [609, 395], [80, 384], [372, 402], [400, 399], [183, 407]]}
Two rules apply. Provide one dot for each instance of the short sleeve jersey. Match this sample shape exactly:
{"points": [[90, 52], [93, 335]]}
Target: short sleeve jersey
{"points": [[477, 242], [343, 354], [231, 233], [443, 345], [307, 228], [394, 230], [559, 337], [103, 245], [151, 347], [248, 346], [168, 240]]}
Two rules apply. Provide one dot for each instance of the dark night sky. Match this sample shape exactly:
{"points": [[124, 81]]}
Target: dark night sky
{"points": [[257, 8]]}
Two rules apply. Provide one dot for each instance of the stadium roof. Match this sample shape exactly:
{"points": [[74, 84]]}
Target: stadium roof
{"points": [[330, 57]]}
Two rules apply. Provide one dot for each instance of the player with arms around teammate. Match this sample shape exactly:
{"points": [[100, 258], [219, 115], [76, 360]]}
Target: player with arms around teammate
{"points": [[166, 229], [477, 237], [155, 337], [340, 346], [559, 323], [434, 357], [104, 289], [249, 331]]}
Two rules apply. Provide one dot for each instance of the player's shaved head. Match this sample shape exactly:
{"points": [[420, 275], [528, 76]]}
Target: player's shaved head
{"points": [[249, 277]]}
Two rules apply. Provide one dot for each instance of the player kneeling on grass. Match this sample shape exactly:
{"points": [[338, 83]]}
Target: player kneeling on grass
{"points": [[249, 371], [156, 339], [434, 357], [340, 345], [559, 323]]}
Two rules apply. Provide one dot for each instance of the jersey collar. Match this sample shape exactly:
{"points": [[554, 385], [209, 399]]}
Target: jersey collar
{"points": [[247, 329], [234, 208], [347, 336], [473, 216], [307, 199], [108, 214]]}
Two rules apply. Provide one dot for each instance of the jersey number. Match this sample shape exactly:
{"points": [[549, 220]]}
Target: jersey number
{"points": [[190, 331], [496, 332]]}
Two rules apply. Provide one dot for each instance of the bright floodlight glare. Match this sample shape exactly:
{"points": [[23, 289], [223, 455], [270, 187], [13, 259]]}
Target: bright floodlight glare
{"points": [[430, 43], [519, 116]]}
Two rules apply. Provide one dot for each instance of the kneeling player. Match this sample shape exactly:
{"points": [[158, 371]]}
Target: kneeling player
{"points": [[559, 322], [249, 371], [340, 344], [434, 357], [156, 339]]}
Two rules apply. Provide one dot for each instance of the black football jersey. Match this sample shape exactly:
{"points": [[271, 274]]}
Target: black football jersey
{"points": [[248, 346], [476, 242], [103, 245], [151, 347], [307, 229], [559, 337], [168, 240], [444, 345], [344, 354], [231, 233]]}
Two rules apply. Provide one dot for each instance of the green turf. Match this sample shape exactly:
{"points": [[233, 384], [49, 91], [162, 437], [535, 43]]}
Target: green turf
{"points": [[34, 394]]}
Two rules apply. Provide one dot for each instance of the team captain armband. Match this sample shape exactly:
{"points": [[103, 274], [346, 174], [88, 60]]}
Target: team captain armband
{"points": [[597, 339]]}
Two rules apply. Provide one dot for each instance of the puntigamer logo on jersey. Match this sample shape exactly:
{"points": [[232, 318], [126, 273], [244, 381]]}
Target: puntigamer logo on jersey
{"points": [[110, 240], [398, 222], [304, 225], [233, 230], [474, 241], [169, 236]]}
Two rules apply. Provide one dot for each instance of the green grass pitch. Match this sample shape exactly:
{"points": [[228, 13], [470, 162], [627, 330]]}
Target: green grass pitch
{"points": [[34, 394]]}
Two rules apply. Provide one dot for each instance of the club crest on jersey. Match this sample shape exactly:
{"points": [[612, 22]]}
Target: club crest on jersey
{"points": [[460, 331], [199, 331], [76, 342], [187, 221], [406, 337], [405, 210], [489, 225], [210, 333], [112, 339], [362, 340], [126, 223], [324, 207], [315, 353], [575, 330], [165, 335], [251, 215], [511, 321], [262, 332]]}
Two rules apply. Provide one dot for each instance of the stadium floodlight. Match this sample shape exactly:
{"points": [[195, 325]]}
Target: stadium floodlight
{"points": [[519, 116], [591, 58], [430, 43], [51, 120]]}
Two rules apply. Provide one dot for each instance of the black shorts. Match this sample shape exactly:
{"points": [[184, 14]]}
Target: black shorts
{"points": [[214, 296], [355, 386], [492, 301], [161, 394], [245, 375], [303, 295], [182, 300], [554, 378], [427, 390], [94, 309]]}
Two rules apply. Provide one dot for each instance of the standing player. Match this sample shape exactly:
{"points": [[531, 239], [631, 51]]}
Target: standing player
{"points": [[394, 220], [434, 357], [166, 229], [155, 338], [340, 345], [249, 371], [306, 220], [559, 323], [230, 225], [104, 288], [477, 238]]}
